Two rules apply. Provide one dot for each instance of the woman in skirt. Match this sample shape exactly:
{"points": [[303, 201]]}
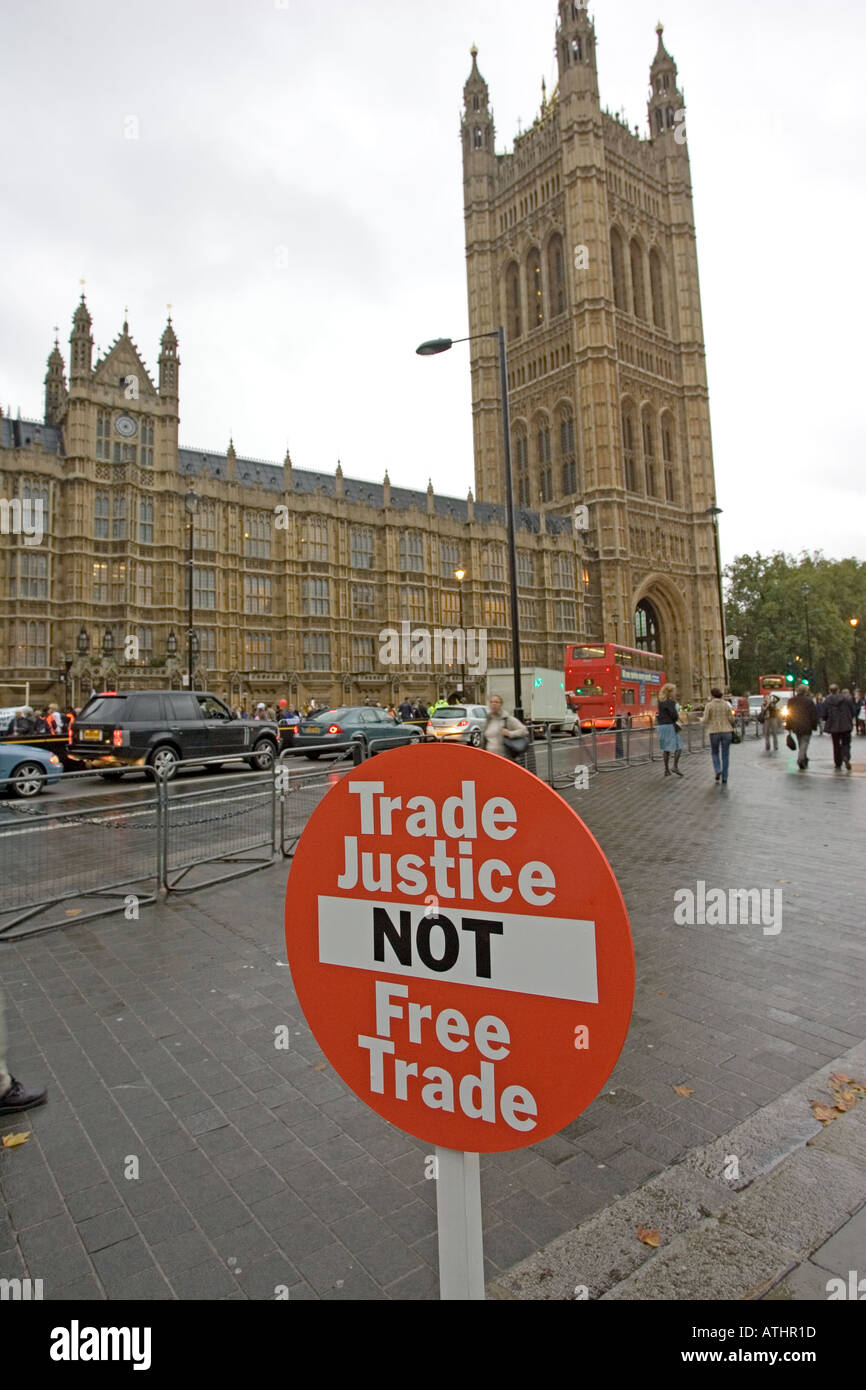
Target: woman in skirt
{"points": [[669, 728]]}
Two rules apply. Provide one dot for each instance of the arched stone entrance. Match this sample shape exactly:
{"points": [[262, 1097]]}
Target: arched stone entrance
{"points": [[660, 624]]}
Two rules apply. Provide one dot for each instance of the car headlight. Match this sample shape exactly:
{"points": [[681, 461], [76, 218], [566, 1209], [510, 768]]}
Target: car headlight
{"points": [[53, 758]]}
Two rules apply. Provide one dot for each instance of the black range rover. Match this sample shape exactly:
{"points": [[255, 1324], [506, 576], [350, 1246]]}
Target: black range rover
{"points": [[160, 728]]}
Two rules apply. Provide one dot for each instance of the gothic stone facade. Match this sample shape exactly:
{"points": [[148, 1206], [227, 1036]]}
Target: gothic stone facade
{"points": [[582, 243], [295, 573]]}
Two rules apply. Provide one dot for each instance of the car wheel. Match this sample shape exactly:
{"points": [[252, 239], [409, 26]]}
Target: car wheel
{"points": [[163, 761], [27, 779], [264, 755], [475, 738]]}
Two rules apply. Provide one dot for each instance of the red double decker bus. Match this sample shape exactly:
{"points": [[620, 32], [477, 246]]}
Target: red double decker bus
{"points": [[771, 685], [606, 682]]}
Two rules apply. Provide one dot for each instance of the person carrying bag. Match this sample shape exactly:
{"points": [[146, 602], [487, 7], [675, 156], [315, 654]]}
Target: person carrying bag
{"points": [[503, 734]]}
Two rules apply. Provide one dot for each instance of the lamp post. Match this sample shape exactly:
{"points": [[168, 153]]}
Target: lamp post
{"points": [[855, 624], [715, 512], [431, 349], [190, 501], [460, 575], [805, 591], [64, 676], [107, 651], [82, 645]]}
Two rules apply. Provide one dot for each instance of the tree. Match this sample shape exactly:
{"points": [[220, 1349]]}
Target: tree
{"points": [[794, 612]]}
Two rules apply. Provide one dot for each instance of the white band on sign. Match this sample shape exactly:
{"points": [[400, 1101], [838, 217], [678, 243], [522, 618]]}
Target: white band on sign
{"points": [[547, 956]]}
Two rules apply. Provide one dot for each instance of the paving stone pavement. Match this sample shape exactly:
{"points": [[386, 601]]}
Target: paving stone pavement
{"points": [[182, 1156]]}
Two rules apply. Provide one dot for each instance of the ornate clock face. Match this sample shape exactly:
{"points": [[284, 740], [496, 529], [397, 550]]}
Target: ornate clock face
{"points": [[126, 426]]}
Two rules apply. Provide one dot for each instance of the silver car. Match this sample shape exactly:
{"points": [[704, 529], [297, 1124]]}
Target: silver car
{"points": [[457, 724]]}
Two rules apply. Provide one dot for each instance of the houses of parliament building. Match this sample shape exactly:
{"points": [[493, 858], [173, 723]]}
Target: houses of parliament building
{"points": [[582, 244]]}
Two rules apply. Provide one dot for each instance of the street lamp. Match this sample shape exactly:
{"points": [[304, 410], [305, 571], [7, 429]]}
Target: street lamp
{"points": [[460, 575], [82, 643], [64, 676], [715, 512], [171, 644], [107, 644], [431, 349], [190, 501], [855, 623], [805, 591]]}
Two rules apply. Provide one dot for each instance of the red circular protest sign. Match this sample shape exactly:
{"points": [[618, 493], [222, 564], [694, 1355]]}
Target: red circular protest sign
{"points": [[460, 947]]}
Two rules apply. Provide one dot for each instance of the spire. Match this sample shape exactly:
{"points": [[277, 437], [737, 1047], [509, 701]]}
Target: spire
{"points": [[478, 130], [168, 362], [81, 343], [665, 97], [338, 480], [55, 385], [575, 50]]}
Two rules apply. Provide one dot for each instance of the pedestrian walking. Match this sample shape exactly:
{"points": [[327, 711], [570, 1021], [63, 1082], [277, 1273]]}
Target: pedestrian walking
{"points": [[820, 710], [839, 722], [719, 720], [802, 721], [771, 720], [501, 729], [14, 1096], [24, 724], [406, 710], [860, 708], [668, 721], [55, 721]]}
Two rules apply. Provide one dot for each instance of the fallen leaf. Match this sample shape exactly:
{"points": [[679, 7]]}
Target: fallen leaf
{"points": [[11, 1141], [824, 1113], [320, 1066], [649, 1237], [839, 1078], [684, 1090], [73, 911]]}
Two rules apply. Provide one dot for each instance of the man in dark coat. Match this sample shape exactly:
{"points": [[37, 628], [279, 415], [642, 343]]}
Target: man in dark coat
{"points": [[802, 721], [839, 721]]}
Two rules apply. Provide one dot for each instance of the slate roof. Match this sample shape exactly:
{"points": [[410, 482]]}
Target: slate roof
{"points": [[199, 463], [23, 434]]}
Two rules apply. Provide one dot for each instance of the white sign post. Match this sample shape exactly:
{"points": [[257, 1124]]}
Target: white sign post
{"points": [[458, 1208]]}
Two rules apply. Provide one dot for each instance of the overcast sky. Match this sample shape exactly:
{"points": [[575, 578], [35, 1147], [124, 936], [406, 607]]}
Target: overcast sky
{"points": [[295, 192]]}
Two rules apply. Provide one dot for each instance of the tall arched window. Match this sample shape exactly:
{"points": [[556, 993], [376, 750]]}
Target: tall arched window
{"points": [[669, 457], [628, 446], [512, 300], [545, 465], [556, 275], [647, 630], [521, 461], [534, 288], [657, 290], [617, 265], [567, 452], [649, 451], [637, 280]]}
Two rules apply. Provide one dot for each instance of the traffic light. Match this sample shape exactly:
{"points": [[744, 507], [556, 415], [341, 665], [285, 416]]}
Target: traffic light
{"points": [[789, 676]]}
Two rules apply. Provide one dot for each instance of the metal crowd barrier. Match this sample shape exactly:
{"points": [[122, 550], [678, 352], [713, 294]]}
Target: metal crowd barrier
{"points": [[72, 863], [62, 864]]}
